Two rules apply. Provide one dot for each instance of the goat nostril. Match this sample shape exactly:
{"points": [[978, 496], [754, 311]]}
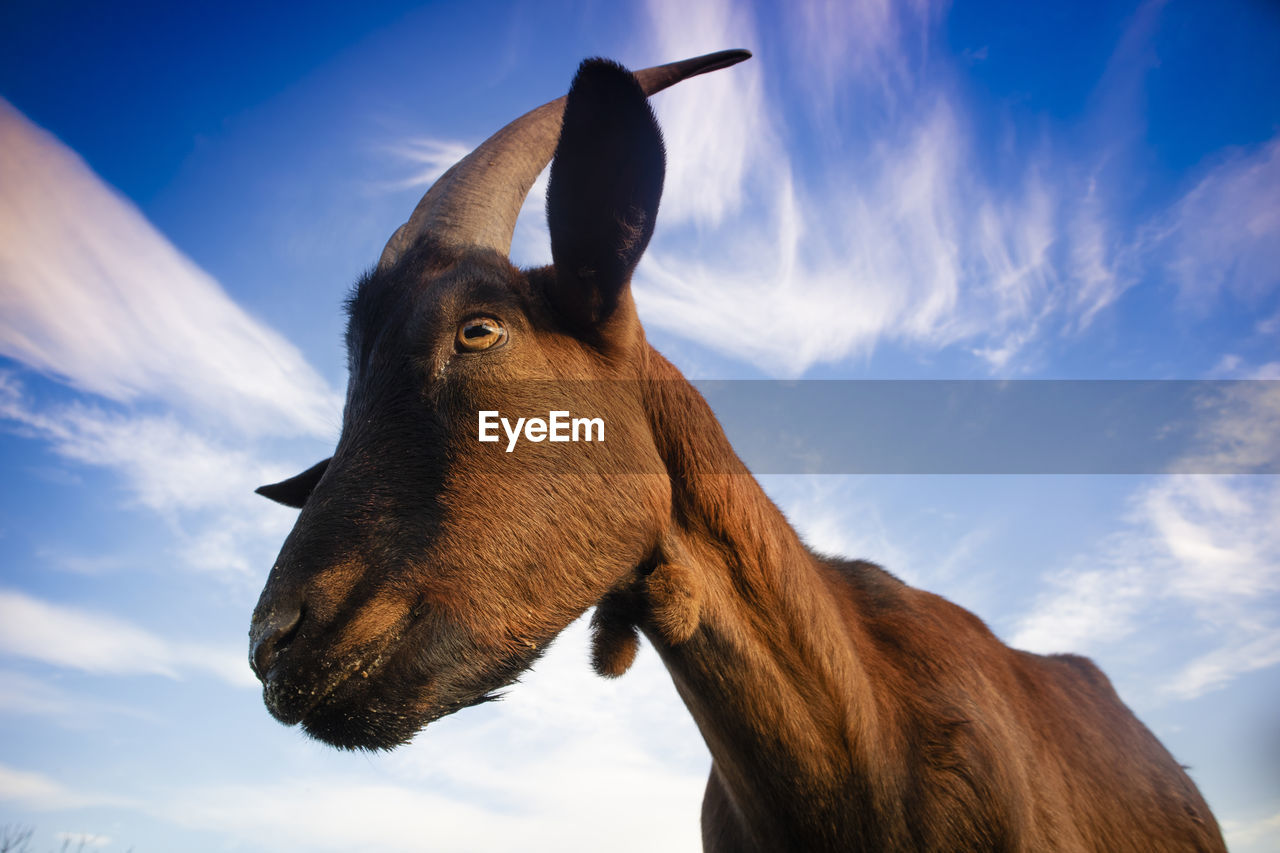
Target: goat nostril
{"points": [[270, 639]]}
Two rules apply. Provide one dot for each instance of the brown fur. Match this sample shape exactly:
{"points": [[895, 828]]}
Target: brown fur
{"points": [[844, 710]]}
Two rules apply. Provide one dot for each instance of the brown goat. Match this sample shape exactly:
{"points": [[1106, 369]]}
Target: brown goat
{"points": [[844, 710]]}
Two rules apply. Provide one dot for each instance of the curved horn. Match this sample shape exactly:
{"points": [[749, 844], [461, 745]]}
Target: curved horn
{"points": [[477, 201]]}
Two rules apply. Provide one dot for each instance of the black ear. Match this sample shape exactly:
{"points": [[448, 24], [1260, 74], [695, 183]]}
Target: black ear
{"points": [[606, 181], [295, 490]]}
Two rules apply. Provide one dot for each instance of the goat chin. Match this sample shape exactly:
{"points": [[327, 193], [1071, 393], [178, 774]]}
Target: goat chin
{"points": [[384, 705]]}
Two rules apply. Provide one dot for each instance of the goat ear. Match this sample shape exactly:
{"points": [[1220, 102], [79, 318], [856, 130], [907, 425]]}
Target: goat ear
{"points": [[606, 181], [295, 490]]}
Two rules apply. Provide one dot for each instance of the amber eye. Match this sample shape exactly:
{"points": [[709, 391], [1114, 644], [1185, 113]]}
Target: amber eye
{"points": [[480, 333]]}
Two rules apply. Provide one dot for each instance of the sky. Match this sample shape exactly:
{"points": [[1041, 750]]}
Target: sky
{"points": [[886, 190]]}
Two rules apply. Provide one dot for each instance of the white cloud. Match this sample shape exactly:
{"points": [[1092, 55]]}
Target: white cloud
{"points": [[576, 750], [889, 214], [39, 792], [1217, 532], [1085, 609], [860, 45], [895, 234], [1201, 549], [201, 486], [92, 293], [565, 760], [556, 809], [24, 694], [98, 643], [334, 814], [1239, 432], [1224, 234], [1232, 366], [80, 840], [431, 157], [853, 517], [1093, 260], [1256, 835], [168, 466], [79, 564], [907, 246], [1259, 648], [709, 168], [835, 517]]}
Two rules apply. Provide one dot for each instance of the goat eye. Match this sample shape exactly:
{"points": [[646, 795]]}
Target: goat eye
{"points": [[481, 333]]}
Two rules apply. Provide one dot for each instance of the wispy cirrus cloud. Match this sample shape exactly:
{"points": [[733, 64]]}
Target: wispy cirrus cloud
{"points": [[167, 466], [911, 248], [39, 792], [861, 46], [21, 693], [91, 293], [893, 217], [180, 384], [1201, 549], [429, 158], [1223, 235], [893, 232], [715, 126], [199, 483], [63, 636]]}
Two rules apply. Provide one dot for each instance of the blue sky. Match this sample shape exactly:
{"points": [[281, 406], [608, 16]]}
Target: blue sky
{"points": [[886, 190]]}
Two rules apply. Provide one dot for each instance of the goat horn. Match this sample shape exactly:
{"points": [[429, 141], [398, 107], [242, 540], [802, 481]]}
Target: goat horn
{"points": [[477, 201]]}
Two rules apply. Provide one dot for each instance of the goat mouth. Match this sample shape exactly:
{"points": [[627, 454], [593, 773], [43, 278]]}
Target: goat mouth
{"points": [[392, 709], [291, 703]]}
